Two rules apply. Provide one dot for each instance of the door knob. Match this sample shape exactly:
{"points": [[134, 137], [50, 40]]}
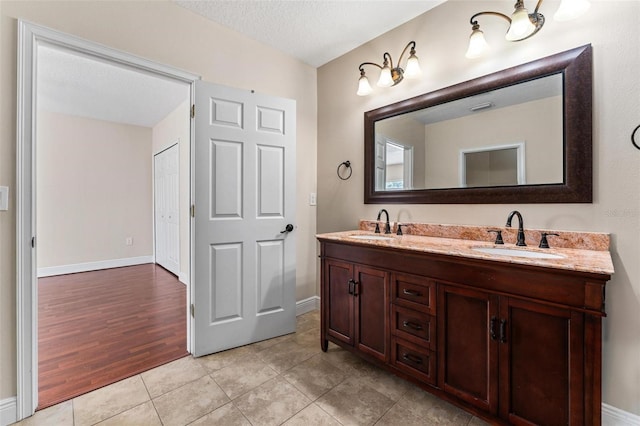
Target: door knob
{"points": [[287, 228]]}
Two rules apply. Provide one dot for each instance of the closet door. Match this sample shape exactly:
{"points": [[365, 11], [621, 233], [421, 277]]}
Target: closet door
{"points": [[166, 209]]}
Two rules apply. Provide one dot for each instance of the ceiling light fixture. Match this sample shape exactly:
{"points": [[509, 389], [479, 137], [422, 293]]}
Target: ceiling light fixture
{"points": [[522, 24], [390, 75]]}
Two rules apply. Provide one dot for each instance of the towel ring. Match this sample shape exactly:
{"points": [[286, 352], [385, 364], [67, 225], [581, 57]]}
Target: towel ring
{"points": [[347, 165], [633, 137]]}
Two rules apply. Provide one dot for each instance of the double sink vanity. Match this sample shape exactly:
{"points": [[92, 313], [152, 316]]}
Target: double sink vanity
{"points": [[512, 334]]}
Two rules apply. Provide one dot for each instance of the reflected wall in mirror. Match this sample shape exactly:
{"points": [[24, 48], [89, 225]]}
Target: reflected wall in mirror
{"points": [[518, 135]]}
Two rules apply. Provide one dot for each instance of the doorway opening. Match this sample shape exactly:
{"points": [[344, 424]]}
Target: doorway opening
{"points": [[93, 120]]}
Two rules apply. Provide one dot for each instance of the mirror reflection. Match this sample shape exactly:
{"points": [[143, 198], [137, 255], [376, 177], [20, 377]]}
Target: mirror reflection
{"points": [[505, 137]]}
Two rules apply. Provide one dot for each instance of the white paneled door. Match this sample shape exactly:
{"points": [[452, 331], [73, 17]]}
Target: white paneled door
{"points": [[243, 286], [166, 196]]}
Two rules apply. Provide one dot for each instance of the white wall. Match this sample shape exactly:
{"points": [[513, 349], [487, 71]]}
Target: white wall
{"points": [[94, 190], [175, 127], [166, 33], [441, 36]]}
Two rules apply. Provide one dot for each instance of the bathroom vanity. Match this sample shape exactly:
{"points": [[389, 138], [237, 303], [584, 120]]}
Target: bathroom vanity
{"points": [[513, 339]]}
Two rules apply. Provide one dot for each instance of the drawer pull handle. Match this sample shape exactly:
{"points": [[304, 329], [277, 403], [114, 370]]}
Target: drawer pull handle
{"points": [[411, 292], [413, 325], [412, 358]]}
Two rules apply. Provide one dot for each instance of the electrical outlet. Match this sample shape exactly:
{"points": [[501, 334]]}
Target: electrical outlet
{"points": [[4, 198], [312, 199], [128, 241]]}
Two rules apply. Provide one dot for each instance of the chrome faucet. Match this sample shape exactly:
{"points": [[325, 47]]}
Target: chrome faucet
{"points": [[387, 227], [520, 238]]}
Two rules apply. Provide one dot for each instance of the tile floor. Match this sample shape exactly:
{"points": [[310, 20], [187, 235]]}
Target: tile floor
{"points": [[283, 381]]}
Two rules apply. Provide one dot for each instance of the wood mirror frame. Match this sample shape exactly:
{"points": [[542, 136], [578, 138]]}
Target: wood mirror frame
{"points": [[576, 68]]}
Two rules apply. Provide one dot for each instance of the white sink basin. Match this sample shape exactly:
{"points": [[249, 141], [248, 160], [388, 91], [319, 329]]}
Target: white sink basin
{"points": [[371, 237], [513, 252]]}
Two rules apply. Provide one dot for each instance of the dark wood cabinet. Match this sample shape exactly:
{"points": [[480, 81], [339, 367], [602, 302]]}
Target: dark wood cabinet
{"points": [[358, 311], [514, 344]]}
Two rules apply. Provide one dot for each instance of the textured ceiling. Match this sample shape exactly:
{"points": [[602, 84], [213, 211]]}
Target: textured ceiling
{"points": [[314, 31], [77, 84]]}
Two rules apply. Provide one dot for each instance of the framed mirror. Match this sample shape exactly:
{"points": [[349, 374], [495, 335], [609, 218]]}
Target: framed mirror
{"points": [[521, 135]]}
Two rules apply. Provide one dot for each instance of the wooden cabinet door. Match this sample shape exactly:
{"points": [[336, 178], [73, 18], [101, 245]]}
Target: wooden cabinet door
{"points": [[372, 312], [541, 364], [339, 307], [467, 345]]}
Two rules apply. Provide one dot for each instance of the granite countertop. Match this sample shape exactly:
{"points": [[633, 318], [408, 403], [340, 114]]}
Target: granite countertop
{"points": [[573, 259]]}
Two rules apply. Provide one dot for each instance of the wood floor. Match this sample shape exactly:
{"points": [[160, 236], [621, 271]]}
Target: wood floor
{"points": [[96, 328]]}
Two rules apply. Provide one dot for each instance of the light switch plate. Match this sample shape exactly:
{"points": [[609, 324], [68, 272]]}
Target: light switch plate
{"points": [[4, 198]]}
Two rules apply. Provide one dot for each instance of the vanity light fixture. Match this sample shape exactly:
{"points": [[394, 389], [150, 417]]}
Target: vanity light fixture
{"points": [[390, 75], [522, 24]]}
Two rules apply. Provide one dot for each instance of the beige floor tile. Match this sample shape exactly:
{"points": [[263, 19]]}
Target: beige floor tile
{"points": [[190, 402], [345, 361], [307, 322], [309, 338], [398, 416], [171, 376], [478, 422], [312, 416], [142, 415], [271, 403], [227, 415], [59, 415], [286, 355], [432, 409], [222, 359], [386, 383], [314, 377], [108, 401], [260, 346], [355, 403], [243, 375]]}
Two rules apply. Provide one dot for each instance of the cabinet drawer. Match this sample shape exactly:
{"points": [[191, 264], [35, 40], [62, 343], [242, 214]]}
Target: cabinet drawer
{"points": [[417, 327], [414, 360], [414, 292]]}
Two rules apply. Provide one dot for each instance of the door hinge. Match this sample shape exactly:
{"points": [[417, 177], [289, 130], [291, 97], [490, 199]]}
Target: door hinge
{"points": [[33, 242], [193, 210], [193, 111], [193, 310]]}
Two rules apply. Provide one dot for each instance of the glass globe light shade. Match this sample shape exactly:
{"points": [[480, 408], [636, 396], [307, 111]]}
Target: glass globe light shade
{"points": [[364, 88], [413, 67], [385, 79], [477, 44], [521, 26]]}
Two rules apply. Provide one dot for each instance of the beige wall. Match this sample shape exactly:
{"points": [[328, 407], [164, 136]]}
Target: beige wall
{"points": [[176, 127], [94, 190], [166, 33], [441, 36], [538, 124]]}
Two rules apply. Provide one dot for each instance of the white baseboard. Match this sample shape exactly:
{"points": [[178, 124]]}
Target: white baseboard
{"points": [[612, 416], [307, 305], [8, 411], [93, 266]]}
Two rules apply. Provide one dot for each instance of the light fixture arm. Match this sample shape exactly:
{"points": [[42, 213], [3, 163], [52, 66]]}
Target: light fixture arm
{"points": [[361, 69], [474, 22], [411, 44], [390, 74]]}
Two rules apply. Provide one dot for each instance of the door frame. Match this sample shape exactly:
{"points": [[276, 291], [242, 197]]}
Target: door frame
{"points": [[29, 36]]}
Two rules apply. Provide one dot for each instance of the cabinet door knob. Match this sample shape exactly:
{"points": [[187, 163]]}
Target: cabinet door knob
{"points": [[503, 330], [492, 328], [351, 287]]}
